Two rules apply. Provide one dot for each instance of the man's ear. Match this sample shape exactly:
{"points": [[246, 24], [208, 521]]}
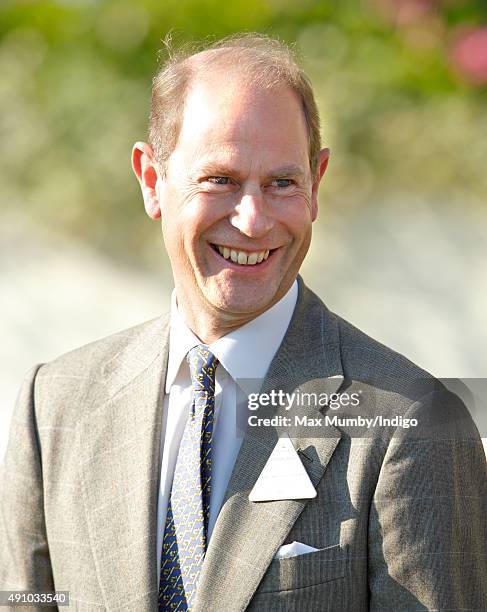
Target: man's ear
{"points": [[145, 169], [322, 165]]}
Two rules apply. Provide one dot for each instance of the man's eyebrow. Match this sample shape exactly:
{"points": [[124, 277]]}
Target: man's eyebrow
{"points": [[216, 169], [288, 170], [219, 169]]}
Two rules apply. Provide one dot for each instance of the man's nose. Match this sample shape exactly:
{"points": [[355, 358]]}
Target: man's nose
{"points": [[251, 215]]}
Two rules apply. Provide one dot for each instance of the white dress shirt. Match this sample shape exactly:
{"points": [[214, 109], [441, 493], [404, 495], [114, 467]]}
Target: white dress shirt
{"points": [[245, 353]]}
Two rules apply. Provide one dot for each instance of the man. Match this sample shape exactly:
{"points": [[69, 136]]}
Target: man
{"points": [[126, 482]]}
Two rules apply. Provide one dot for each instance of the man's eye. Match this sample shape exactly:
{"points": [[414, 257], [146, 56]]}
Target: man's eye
{"points": [[282, 183], [219, 180]]}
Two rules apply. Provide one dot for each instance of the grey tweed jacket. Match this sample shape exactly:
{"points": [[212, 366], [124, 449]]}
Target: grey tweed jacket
{"points": [[399, 520]]}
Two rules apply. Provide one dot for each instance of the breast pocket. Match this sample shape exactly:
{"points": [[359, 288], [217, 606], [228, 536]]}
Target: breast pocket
{"points": [[305, 570]]}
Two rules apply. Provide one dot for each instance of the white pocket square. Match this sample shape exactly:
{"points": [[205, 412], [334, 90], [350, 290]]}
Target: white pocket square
{"points": [[293, 549]]}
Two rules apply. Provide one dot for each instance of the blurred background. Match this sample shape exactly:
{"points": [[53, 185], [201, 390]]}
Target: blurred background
{"points": [[399, 248]]}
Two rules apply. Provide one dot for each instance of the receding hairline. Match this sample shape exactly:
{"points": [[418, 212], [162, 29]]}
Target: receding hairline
{"points": [[201, 57], [209, 61]]}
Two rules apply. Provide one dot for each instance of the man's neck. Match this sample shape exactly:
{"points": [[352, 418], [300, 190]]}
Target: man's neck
{"points": [[210, 323], [210, 328]]}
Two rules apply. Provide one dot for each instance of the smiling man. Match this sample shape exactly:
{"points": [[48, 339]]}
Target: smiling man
{"points": [[238, 193], [126, 480]]}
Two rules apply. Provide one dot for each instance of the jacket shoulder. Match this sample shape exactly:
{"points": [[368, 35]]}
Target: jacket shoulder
{"points": [[92, 358], [366, 362], [362, 352], [76, 382]]}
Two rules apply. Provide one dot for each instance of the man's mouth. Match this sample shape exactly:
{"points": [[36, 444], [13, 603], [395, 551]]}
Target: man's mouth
{"points": [[243, 258]]}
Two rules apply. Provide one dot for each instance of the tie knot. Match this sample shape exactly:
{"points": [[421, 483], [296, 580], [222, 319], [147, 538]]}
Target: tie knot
{"points": [[202, 366]]}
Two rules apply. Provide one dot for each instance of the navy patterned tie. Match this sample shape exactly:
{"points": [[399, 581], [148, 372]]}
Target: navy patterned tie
{"points": [[185, 535]]}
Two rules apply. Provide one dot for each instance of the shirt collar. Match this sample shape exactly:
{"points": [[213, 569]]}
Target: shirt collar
{"points": [[246, 352]]}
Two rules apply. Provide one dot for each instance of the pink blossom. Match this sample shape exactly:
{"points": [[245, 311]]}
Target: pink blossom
{"points": [[469, 55]]}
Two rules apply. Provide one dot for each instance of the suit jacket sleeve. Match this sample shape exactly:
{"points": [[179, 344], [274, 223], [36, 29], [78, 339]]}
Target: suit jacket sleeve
{"points": [[24, 553], [427, 526]]}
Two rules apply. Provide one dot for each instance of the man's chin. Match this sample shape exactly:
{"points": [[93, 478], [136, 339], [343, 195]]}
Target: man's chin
{"points": [[242, 301]]}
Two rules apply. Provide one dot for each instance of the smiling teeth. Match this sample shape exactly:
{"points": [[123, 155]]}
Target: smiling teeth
{"points": [[242, 258]]}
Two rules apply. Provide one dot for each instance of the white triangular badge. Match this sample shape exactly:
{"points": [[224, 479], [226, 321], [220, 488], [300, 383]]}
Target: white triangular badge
{"points": [[283, 476]]}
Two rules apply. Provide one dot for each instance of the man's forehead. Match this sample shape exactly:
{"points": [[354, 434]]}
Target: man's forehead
{"points": [[233, 96], [218, 87], [243, 149]]}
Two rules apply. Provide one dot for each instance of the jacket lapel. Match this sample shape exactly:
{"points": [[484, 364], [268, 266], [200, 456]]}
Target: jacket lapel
{"points": [[119, 460], [247, 534]]}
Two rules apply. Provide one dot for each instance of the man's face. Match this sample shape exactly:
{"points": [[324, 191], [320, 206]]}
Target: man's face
{"points": [[237, 187]]}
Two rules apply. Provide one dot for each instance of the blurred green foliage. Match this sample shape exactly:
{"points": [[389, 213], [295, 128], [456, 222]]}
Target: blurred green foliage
{"points": [[399, 111]]}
